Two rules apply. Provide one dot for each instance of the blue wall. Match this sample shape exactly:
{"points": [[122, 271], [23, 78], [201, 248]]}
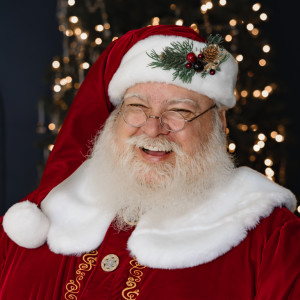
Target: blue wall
{"points": [[29, 40]]}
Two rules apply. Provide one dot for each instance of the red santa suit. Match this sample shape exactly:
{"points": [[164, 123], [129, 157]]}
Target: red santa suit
{"points": [[241, 243]]}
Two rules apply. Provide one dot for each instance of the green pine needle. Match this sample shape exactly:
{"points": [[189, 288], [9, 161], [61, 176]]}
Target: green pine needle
{"points": [[173, 57], [215, 39]]}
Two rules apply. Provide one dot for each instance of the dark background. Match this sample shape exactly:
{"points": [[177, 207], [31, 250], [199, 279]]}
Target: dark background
{"points": [[29, 41]]}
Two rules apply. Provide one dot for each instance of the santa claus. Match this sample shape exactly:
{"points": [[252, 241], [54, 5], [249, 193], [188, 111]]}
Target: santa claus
{"points": [[140, 199]]}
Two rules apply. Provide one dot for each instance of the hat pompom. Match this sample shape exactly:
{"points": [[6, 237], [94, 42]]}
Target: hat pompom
{"points": [[26, 225]]}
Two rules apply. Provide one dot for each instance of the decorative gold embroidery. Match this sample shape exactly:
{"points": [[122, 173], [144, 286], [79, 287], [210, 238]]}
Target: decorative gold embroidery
{"points": [[73, 286], [130, 292]]}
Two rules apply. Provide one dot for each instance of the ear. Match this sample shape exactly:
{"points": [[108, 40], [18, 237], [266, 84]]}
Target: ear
{"points": [[222, 115]]}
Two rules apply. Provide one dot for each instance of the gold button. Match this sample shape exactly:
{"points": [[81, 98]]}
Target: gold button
{"points": [[110, 262]]}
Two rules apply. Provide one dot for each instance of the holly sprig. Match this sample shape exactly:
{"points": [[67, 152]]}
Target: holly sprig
{"points": [[181, 58], [174, 58]]}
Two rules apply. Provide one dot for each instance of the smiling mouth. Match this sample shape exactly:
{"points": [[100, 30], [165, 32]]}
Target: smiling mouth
{"points": [[155, 151]]}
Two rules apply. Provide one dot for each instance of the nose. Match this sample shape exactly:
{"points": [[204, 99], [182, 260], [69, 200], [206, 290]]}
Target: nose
{"points": [[153, 128]]}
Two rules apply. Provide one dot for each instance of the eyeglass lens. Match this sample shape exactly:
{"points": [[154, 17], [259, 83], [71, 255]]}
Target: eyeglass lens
{"points": [[136, 117], [172, 120]]}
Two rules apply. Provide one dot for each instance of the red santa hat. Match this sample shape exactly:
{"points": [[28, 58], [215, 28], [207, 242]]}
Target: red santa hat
{"points": [[198, 65], [124, 63]]}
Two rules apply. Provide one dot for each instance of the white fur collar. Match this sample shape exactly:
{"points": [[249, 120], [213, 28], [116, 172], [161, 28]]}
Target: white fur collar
{"points": [[212, 229], [73, 223]]}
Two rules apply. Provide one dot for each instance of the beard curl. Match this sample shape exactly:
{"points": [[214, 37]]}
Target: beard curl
{"points": [[133, 187]]}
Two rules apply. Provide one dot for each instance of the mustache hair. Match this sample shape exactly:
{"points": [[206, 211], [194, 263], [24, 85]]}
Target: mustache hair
{"points": [[161, 143]]}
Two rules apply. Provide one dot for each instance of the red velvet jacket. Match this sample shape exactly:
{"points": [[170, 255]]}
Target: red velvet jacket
{"points": [[264, 266]]}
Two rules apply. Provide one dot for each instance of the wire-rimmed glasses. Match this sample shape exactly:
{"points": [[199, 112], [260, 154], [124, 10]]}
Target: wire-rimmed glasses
{"points": [[171, 120]]}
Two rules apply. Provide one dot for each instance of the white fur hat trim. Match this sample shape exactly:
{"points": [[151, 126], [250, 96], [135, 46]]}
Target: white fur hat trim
{"points": [[134, 69], [26, 225]]}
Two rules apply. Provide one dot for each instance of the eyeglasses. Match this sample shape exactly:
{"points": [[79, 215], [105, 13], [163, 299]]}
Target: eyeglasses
{"points": [[171, 120]]}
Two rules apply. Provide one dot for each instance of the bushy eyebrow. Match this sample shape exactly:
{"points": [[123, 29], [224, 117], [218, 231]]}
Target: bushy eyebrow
{"points": [[169, 102], [185, 100], [129, 95]]}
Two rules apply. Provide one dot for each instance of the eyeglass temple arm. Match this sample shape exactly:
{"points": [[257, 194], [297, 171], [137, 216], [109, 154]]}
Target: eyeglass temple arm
{"points": [[215, 105]]}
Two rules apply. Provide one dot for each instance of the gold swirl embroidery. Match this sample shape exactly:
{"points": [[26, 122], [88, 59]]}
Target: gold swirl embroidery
{"points": [[130, 292], [73, 286]]}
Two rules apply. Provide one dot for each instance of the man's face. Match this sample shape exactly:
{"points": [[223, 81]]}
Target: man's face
{"points": [[132, 167], [156, 98]]}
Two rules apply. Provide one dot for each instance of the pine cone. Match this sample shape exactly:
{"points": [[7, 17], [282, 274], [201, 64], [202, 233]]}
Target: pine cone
{"points": [[210, 53]]}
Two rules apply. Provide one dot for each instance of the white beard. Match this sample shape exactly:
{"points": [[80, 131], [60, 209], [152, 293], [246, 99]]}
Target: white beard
{"points": [[134, 187]]}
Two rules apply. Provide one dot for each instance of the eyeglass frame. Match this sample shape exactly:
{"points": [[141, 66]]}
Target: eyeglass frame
{"points": [[160, 121]]}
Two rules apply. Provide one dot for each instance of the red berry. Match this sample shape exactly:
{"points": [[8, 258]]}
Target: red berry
{"points": [[212, 72], [191, 57], [200, 56], [188, 65]]}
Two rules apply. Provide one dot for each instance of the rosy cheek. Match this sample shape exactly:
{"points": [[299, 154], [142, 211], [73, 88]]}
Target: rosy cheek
{"points": [[124, 132]]}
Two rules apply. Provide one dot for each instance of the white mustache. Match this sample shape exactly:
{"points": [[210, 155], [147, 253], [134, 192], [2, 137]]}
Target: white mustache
{"points": [[156, 144]]}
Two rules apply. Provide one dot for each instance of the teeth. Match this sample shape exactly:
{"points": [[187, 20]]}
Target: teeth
{"points": [[153, 148]]}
